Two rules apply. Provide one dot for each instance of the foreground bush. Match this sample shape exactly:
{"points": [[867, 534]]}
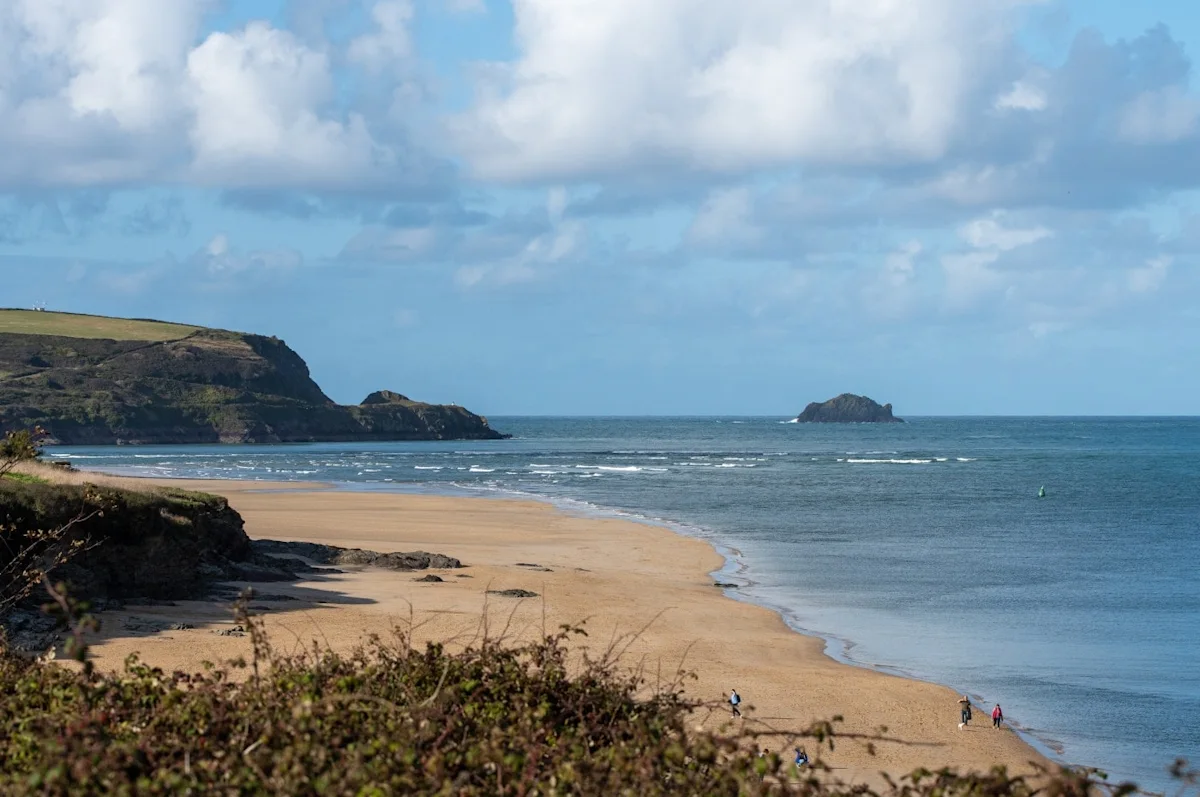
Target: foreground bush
{"points": [[389, 719]]}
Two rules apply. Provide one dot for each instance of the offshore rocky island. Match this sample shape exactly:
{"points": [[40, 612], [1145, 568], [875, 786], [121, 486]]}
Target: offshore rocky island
{"points": [[95, 380], [847, 408]]}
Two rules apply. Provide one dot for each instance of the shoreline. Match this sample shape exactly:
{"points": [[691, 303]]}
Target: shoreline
{"points": [[835, 648], [796, 658]]}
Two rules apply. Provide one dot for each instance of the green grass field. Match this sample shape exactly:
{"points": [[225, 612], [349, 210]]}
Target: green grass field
{"points": [[31, 322]]}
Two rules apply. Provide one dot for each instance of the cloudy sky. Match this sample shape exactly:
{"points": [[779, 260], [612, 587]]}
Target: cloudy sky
{"points": [[628, 206]]}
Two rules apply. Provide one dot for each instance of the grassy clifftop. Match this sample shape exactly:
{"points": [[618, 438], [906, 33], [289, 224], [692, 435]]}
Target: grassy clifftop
{"points": [[74, 325], [94, 380]]}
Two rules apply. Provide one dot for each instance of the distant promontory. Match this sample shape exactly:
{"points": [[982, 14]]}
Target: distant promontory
{"points": [[848, 408], [95, 380]]}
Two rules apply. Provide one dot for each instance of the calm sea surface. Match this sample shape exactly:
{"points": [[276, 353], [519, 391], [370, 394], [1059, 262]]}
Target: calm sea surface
{"points": [[921, 548]]}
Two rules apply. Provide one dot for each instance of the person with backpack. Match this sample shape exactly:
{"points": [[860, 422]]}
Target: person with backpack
{"points": [[734, 701], [997, 717]]}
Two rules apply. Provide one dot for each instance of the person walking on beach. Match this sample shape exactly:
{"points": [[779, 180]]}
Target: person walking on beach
{"points": [[997, 716], [964, 706], [734, 701]]}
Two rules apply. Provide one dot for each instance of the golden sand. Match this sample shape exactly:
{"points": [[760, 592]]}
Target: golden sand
{"points": [[646, 587]]}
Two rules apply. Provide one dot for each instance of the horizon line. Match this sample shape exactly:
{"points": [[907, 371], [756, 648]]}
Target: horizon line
{"points": [[1031, 416]]}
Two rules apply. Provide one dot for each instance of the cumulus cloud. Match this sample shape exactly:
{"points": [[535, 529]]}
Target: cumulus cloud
{"points": [[932, 109], [114, 92], [714, 85], [390, 42], [256, 96], [115, 59]]}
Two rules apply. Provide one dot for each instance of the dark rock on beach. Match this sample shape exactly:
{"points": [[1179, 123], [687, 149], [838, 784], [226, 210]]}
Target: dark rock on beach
{"points": [[513, 593], [333, 555], [847, 408]]}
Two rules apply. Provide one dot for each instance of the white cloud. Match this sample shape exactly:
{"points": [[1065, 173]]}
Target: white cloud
{"points": [[988, 233], [116, 58], [1150, 277], [218, 258], [1022, 97], [716, 85], [970, 276], [535, 261], [390, 42], [120, 91], [218, 246], [1160, 117], [256, 96]]}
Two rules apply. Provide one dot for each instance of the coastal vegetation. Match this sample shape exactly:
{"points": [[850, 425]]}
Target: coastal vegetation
{"points": [[391, 718], [90, 380], [74, 325], [496, 718]]}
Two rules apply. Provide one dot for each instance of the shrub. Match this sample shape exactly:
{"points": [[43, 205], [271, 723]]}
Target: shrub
{"points": [[392, 719], [20, 446]]}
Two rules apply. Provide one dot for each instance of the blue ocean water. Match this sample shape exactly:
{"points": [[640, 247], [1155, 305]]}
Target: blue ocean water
{"points": [[921, 548]]}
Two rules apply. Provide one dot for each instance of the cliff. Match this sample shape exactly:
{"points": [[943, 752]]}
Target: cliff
{"points": [[847, 408], [89, 380], [151, 545]]}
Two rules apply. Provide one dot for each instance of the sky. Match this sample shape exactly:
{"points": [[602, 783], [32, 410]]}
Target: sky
{"points": [[628, 207]]}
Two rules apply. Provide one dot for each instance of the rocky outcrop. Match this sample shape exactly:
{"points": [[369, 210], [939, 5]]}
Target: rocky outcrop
{"points": [[334, 555], [209, 386], [156, 546], [848, 408]]}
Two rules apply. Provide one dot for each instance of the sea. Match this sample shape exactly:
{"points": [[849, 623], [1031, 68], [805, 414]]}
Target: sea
{"points": [[920, 548]]}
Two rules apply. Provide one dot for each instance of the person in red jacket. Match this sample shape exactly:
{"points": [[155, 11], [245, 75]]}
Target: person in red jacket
{"points": [[997, 716]]}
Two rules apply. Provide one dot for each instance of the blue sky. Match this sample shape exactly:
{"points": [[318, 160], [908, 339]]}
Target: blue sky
{"points": [[621, 207]]}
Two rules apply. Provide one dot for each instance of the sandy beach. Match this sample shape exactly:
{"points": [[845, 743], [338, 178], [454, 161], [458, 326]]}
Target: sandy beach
{"points": [[623, 580]]}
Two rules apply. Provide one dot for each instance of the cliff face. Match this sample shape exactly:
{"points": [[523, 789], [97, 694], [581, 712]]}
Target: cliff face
{"points": [[211, 386], [162, 545], [847, 408]]}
